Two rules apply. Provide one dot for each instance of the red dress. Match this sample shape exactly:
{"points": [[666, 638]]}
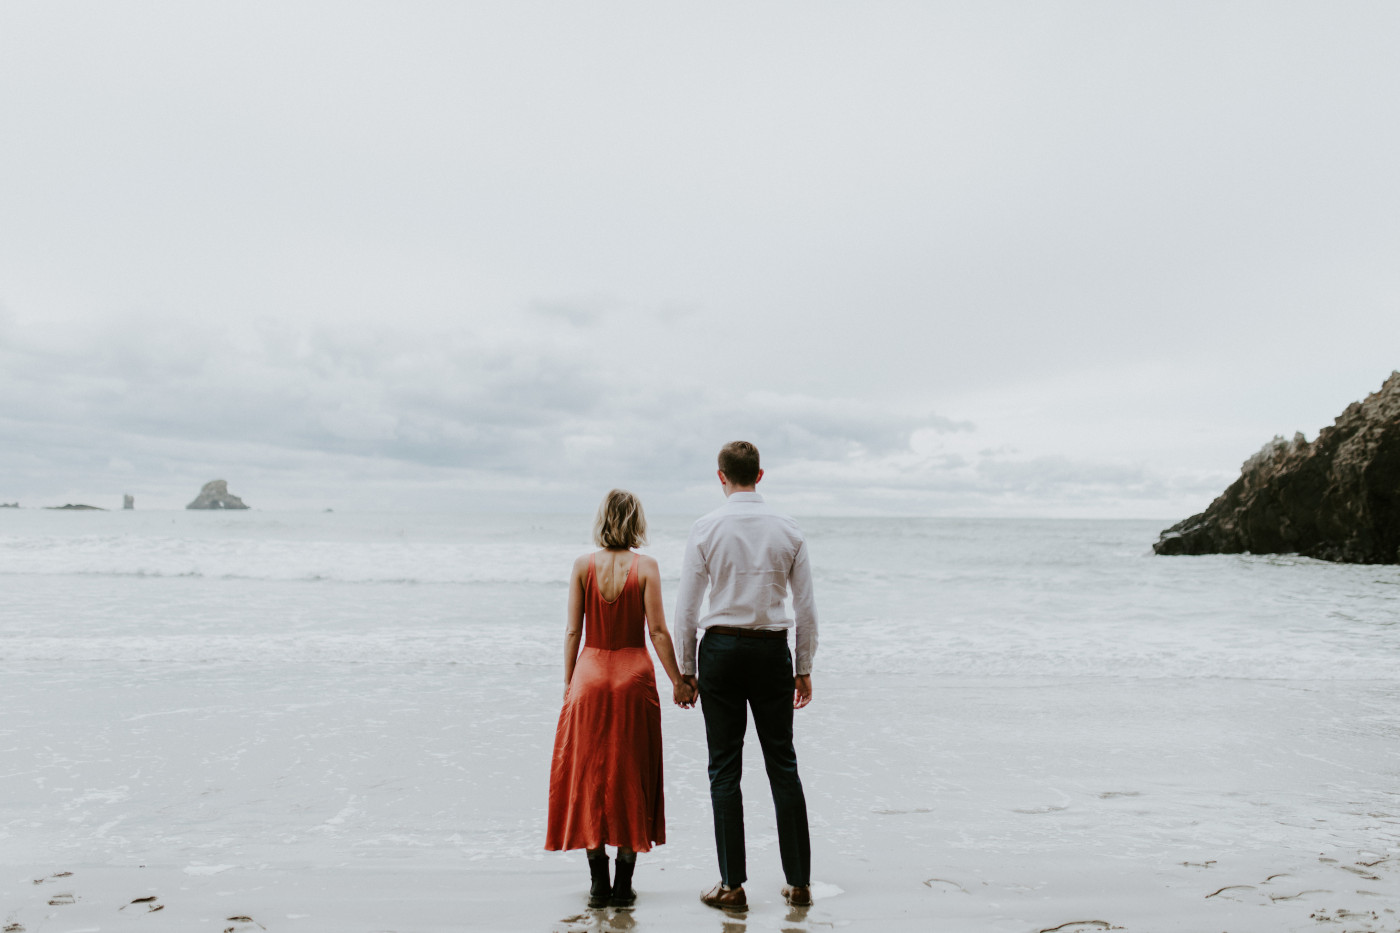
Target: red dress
{"points": [[605, 780]]}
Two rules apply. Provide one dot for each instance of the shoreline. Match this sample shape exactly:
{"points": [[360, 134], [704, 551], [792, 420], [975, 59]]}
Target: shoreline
{"points": [[988, 804], [1245, 893]]}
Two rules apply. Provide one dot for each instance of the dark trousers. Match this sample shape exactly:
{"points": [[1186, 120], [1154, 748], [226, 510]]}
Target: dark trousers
{"points": [[738, 674]]}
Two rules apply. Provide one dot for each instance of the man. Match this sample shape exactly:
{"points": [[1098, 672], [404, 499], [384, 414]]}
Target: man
{"points": [[749, 556]]}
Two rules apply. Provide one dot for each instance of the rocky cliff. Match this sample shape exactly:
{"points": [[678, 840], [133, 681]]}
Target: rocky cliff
{"points": [[1337, 498], [215, 495]]}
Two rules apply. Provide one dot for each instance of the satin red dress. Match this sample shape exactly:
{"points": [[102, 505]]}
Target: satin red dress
{"points": [[605, 779]]}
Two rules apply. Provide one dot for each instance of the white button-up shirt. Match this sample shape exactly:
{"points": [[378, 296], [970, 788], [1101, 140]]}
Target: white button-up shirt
{"points": [[749, 556]]}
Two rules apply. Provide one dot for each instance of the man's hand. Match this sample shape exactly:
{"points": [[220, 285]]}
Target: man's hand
{"points": [[802, 690]]}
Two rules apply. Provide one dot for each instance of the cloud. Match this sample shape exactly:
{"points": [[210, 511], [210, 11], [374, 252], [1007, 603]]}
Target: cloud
{"points": [[541, 403], [580, 313], [545, 414], [468, 250]]}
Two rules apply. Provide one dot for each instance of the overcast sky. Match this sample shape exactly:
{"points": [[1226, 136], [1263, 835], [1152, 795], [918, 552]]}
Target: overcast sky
{"points": [[984, 259]]}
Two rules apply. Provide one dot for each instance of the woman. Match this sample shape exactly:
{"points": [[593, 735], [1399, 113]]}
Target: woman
{"points": [[605, 780]]}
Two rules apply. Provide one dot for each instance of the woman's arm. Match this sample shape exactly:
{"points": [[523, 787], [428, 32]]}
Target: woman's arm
{"points": [[650, 572], [573, 629]]}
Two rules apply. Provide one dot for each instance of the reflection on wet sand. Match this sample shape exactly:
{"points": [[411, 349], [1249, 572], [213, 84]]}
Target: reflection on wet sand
{"points": [[613, 920], [600, 920]]}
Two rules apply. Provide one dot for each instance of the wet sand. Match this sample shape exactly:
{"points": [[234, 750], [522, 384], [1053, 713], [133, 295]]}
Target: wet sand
{"points": [[980, 804]]}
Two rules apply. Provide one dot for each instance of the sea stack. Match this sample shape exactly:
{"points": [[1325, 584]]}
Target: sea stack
{"points": [[215, 495], [128, 501], [1337, 498]]}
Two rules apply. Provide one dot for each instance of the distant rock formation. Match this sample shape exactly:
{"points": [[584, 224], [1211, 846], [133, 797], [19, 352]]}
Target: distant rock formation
{"points": [[1337, 498], [215, 495], [128, 501], [9, 505], [70, 507]]}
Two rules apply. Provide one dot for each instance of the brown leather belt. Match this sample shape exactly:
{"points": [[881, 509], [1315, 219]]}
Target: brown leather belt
{"points": [[746, 632]]}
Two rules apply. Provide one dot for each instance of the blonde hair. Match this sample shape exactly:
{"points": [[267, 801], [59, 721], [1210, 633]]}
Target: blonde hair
{"points": [[620, 522]]}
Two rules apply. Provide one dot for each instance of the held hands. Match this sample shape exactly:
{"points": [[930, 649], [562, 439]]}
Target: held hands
{"points": [[801, 690], [685, 692]]}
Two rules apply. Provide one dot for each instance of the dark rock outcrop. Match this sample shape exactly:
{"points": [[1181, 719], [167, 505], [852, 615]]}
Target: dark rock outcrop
{"points": [[1337, 498], [128, 501], [215, 495], [70, 507]]}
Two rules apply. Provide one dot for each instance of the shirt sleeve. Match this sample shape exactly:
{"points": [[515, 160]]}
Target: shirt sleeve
{"points": [[695, 578], [804, 610]]}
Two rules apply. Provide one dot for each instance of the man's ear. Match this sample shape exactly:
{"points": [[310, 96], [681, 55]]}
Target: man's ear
{"points": [[758, 477]]}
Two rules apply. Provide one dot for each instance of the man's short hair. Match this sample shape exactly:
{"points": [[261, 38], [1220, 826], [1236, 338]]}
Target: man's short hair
{"points": [[738, 460]]}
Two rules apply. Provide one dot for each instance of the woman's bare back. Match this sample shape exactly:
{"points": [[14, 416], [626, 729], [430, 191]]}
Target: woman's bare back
{"points": [[610, 566]]}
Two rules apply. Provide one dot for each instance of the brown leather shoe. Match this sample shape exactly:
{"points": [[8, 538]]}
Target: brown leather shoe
{"points": [[732, 899], [797, 895]]}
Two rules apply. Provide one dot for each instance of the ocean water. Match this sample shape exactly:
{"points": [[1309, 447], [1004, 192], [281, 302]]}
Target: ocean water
{"points": [[238, 694], [934, 596]]}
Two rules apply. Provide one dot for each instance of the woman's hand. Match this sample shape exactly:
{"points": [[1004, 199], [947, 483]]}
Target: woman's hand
{"points": [[684, 694]]}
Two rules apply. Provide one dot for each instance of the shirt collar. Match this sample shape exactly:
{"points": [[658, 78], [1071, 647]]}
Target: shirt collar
{"points": [[745, 497]]}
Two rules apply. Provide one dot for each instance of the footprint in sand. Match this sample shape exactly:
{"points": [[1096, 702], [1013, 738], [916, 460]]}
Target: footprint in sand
{"points": [[149, 902], [1300, 894], [1342, 916], [944, 885], [14, 928], [239, 918], [1275, 898], [51, 878], [59, 900], [1080, 926]]}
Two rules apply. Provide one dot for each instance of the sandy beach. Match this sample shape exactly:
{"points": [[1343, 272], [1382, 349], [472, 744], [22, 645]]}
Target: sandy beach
{"points": [[983, 806]]}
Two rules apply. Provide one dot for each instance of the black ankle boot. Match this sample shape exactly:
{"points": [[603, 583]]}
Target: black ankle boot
{"points": [[622, 893], [601, 892]]}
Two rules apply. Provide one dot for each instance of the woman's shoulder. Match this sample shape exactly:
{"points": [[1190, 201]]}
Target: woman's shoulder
{"points": [[648, 565], [581, 562]]}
